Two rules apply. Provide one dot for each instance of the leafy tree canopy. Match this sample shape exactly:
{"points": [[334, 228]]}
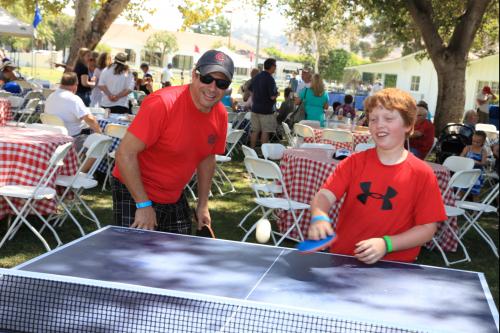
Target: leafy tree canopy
{"points": [[218, 26], [195, 12]]}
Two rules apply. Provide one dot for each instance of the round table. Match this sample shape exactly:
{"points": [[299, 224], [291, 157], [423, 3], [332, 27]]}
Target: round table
{"points": [[24, 156], [359, 137], [5, 111], [304, 172]]}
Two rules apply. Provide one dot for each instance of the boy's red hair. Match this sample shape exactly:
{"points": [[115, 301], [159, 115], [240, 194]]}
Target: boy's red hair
{"points": [[394, 99]]}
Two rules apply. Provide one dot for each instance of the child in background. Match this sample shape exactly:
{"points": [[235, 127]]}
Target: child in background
{"points": [[392, 199], [477, 152]]}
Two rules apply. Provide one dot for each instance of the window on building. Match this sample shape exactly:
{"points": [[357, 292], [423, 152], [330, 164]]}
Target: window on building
{"points": [[367, 77], [182, 62], [131, 55], [390, 80], [240, 71], [415, 83]]}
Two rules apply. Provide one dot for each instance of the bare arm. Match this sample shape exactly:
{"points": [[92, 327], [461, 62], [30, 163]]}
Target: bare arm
{"points": [[320, 206], [128, 164], [92, 122], [86, 82], [205, 173], [372, 250]]}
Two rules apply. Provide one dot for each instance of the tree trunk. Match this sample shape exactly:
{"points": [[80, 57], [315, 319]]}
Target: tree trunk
{"points": [[89, 35], [451, 93]]}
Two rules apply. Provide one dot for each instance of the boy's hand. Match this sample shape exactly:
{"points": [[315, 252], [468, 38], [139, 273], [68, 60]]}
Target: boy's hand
{"points": [[319, 230], [371, 250]]}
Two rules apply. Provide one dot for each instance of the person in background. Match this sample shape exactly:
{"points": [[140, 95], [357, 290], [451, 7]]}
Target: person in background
{"points": [[376, 87], [178, 131], [146, 84], [477, 152], [7, 72], [286, 107], [70, 108], [103, 61], [392, 200], [315, 100], [93, 63], [293, 83], [483, 101], [346, 109], [145, 69], [469, 121], [264, 94], [245, 91], [116, 82], [227, 100], [422, 138], [85, 82], [166, 76], [305, 81]]}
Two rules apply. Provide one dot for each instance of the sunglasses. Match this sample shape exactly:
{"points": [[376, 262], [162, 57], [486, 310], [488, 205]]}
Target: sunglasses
{"points": [[219, 83]]}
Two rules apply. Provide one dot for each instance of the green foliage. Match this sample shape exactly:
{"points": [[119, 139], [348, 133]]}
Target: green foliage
{"points": [[62, 28], [218, 26], [101, 47], [280, 55], [195, 12], [163, 42], [332, 65]]}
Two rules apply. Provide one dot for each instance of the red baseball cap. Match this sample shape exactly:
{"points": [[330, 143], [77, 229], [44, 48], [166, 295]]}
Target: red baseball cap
{"points": [[487, 90]]}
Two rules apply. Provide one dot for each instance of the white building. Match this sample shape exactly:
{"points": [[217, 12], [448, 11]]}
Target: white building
{"points": [[420, 78]]}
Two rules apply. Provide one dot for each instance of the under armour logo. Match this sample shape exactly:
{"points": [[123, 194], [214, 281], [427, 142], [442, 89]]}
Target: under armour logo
{"points": [[386, 198], [212, 139]]}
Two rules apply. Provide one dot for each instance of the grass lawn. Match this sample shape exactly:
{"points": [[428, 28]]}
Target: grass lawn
{"points": [[226, 212]]}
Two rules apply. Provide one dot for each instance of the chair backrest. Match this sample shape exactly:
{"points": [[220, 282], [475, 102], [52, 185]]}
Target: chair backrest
{"points": [[89, 141], [96, 110], [51, 119], [265, 172], [364, 146], [5, 94], [32, 104], [46, 92], [273, 151], [464, 180], [292, 142], [232, 139], [53, 128], [304, 131], [55, 162], [15, 101], [317, 145], [486, 127], [98, 148], [33, 94], [249, 152], [337, 135], [311, 123], [432, 148], [115, 130], [458, 163], [240, 117]]}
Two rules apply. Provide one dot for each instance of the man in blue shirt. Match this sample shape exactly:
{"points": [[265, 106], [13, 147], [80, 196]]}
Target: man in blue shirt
{"points": [[264, 93]]}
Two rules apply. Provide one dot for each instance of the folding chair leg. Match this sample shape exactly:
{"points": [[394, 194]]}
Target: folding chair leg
{"points": [[473, 223], [295, 226], [443, 254], [248, 214], [254, 226]]}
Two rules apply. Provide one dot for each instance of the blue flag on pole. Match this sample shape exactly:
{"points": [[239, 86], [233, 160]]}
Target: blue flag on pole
{"points": [[38, 17]]}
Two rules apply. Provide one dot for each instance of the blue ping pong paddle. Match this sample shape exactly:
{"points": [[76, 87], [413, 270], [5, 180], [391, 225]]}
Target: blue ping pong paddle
{"points": [[309, 245]]}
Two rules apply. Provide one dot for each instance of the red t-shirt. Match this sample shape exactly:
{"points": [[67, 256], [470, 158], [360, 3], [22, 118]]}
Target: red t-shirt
{"points": [[424, 143], [383, 200], [177, 137]]}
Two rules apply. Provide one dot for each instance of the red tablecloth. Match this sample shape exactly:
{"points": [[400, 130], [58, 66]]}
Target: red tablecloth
{"points": [[24, 156], [359, 137], [305, 170], [5, 111]]}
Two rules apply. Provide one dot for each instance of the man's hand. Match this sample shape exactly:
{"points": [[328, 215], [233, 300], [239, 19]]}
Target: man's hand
{"points": [[203, 217], [371, 250], [145, 218], [319, 230]]}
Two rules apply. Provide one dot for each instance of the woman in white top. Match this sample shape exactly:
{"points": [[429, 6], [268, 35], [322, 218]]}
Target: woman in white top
{"points": [[116, 82], [103, 61]]}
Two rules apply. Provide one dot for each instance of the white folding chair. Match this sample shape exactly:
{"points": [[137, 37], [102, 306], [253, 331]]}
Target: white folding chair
{"points": [[311, 123], [27, 111], [53, 128], [273, 151], [364, 146], [115, 131], [291, 140], [81, 181], [304, 131], [220, 178], [5, 94], [338, 136], [248, 152], [268, 173], [474, 210], [51, 119], [97, 111], [432, 148], [307, 145], [458, 163], [462, 180], [32, 193]]}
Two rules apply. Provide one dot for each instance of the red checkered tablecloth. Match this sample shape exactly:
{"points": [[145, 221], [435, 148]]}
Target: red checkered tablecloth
{"points": [[24, 156], [5, 111], [305, 170], [359, 137]]}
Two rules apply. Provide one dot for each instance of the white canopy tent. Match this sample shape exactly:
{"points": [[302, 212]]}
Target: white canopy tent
{"points": [[11, 26]]}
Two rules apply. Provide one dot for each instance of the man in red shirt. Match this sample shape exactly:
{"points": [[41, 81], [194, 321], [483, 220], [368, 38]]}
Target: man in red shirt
{"points": [[423, 134], [177, 131], [392, 201]]}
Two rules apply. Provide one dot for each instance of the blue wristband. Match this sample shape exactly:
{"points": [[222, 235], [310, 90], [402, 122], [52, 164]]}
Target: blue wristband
{"points": [[320, 218], [144, 204]]}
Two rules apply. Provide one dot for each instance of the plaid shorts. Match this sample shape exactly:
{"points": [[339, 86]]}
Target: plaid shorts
{"points": [[174, 217]]}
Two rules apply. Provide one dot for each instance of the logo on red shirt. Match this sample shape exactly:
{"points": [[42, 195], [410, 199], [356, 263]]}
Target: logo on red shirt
{"points": [[212, 139], [386, 198]]}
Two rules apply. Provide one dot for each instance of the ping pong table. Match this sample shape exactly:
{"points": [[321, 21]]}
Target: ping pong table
{"points": [[127, 280]]}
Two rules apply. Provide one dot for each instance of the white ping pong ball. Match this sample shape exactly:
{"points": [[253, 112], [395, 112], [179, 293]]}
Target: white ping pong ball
{"points": [[263, 231]]}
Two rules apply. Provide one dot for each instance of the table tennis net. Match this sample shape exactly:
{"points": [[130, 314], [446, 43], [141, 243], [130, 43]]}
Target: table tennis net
{"points": [[32, 304]]}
